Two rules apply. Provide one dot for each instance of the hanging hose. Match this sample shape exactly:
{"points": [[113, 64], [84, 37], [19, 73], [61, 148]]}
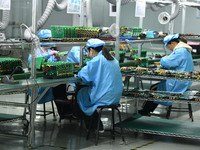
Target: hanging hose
{"points": [[5, 19], [61, 6], [50, 6], [177, 10], [157, 6]]}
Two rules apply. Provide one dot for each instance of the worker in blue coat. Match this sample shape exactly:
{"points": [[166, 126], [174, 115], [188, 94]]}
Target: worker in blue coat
{"points": [[103, 79], [51, 55], [179, 60]]}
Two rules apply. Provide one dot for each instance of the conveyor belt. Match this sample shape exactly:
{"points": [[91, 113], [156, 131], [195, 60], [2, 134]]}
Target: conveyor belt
{"points": [[159, 126]]}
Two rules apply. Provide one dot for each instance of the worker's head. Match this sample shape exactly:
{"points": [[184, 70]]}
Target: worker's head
{"points": [[94, 46], [172, 40], [45, 33]]}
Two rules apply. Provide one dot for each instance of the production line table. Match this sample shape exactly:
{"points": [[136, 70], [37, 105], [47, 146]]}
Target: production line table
{"points": [[161, 126], [27, 84]]}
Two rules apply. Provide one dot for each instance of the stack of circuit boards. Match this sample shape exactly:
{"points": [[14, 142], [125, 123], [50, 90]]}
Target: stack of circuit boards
{"points": [[128, 31], [75, 32], [8, 65], [92, 32], [56, 70]]}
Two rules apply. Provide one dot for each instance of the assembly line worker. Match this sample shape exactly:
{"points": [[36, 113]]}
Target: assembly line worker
{"points": [[103, 79], [45, 51], [179, 60]]}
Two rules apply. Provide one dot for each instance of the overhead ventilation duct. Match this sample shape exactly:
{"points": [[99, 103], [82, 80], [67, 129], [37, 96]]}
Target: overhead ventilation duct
{"points": [[123, 2], [5, 19], [164, 17], [52, 4], [157, 6]]}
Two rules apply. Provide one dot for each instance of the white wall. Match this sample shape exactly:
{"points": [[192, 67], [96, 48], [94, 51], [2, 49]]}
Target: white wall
{"points": [[21, 12]]}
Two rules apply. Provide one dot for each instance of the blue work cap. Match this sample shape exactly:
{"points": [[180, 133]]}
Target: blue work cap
{"points": [[44, 33], [95, 43], [48, 44], [169, 38]]}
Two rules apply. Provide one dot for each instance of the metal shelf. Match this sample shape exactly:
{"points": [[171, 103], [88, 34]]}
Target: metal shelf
{"points": [[155, 77]]}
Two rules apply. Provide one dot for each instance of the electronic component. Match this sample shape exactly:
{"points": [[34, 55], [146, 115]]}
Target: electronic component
{"points": [[56, 70], [8, 65], [134, 53], [121, 55], [126, 31]]}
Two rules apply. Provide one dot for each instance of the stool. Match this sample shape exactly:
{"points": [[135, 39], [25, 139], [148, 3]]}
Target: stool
{"points": [[189, 110], [113, 107], [45, 113]]}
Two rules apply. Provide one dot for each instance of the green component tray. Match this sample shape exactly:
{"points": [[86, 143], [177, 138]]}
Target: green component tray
{"points": [[162, 126]]}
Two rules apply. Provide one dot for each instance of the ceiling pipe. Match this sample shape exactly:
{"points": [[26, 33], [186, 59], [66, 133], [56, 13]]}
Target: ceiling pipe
{"points": [[5, 20], [52, 4]]}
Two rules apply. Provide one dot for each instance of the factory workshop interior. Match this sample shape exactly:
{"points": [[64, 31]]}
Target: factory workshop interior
{"points": [[99, 74]]}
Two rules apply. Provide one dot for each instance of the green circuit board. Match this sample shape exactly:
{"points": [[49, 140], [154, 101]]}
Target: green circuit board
{"points": [[8, 65], [56, 70]]}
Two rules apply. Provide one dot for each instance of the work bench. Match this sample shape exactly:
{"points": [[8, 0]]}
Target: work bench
{"points": [[22, 86], [160, 126]]}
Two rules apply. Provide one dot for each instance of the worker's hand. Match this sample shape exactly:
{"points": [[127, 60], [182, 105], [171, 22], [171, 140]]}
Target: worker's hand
{"points": [[53, 53], [166, 56]]}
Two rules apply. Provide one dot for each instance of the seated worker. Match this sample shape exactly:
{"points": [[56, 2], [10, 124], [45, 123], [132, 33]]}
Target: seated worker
{"points": [[45, 51], [74, 57], [179, 60], [103, 79]]}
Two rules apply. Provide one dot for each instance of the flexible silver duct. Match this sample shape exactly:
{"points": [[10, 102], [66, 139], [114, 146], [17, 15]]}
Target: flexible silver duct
{"points": [[5, 19], [61, 6], [50, 6], [157, 6], [177, 10], [123, 2]]}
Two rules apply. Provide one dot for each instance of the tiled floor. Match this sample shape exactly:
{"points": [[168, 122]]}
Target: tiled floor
{"points": [[50, 136]]}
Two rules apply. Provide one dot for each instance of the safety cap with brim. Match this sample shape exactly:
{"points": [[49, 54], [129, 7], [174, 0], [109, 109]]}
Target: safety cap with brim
{"points": [[169, 38], [95, 43], [45, 33], [48, 44]]}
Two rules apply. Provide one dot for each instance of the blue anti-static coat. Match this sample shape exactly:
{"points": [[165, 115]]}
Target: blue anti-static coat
{"points": [[49, 94], [104, 82], [179, 60]]}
